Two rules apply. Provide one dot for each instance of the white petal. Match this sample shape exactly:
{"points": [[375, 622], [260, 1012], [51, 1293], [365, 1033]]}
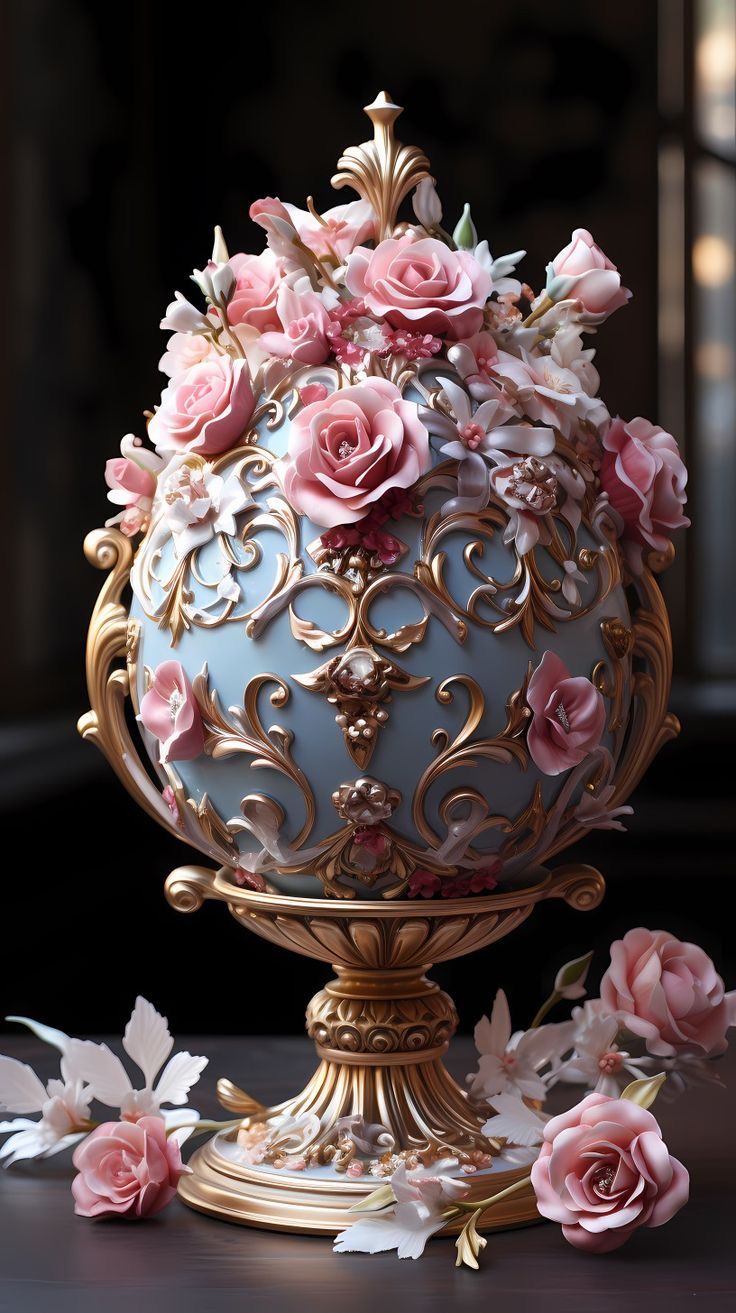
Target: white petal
{"points": [[518, 1156], [178, 1076], [459, 400], [147, 1039], [20, 1088], [176, 1118], [25, 1144], [515, 1121], [500, 1033], [102, 1069]]}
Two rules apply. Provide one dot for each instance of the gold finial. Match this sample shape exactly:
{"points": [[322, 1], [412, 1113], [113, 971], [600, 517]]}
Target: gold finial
{"points": [[382, 171]]}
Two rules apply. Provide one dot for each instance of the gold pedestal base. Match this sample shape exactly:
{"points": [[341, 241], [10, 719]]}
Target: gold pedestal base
{"points": [[311, 1205], [381, 1092]]}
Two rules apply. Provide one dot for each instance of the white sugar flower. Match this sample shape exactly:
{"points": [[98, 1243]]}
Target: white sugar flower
{"points": [[148, 1042], [521, 1126], [201, 504], [63, 1104], [597, 1060], [420, 1200], [510, 1064]]}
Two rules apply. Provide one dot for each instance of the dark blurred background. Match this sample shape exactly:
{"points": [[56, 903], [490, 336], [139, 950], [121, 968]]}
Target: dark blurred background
{"points": [[125, 134]]}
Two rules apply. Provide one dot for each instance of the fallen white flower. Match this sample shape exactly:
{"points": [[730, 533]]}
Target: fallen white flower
{"points": [[422, 1196]]}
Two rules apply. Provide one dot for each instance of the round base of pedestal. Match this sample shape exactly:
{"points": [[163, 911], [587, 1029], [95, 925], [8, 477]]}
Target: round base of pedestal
{"points": [[318, 1202]]}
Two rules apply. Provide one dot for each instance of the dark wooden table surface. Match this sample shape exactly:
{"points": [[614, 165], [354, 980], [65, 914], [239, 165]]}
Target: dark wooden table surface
{"points": [[183, 1262]]}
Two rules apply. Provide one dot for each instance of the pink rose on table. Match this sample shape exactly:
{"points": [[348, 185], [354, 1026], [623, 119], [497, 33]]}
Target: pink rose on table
{"points": [[169, 711], [205, 410], [346, 451], [421, 285], [126, 1169], [597, 282], [645, 477], [568, 716], [257, 282], [604, 1170], [669, 993]]}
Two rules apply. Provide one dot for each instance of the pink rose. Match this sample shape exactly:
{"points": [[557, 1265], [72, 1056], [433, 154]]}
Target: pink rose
{"points": [[206, 410], [421, 285], [129, 483], [126, 1169], [597, 282], [669, 993], [569, 716], [184, 350], [169, 711], [306, 326], [604, 1170], [645, 477], [345, 452], [257, 282]]}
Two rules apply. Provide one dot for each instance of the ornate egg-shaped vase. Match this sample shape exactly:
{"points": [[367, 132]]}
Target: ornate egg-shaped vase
{"points": [[364, 703]]}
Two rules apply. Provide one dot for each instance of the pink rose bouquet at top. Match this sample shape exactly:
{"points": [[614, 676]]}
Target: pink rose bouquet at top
{"points": [[518, 419]]}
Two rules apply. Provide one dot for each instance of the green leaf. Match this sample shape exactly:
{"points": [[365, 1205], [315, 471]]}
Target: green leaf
{"points": [[644, 1092], [469, 1243], [381, 1198]]}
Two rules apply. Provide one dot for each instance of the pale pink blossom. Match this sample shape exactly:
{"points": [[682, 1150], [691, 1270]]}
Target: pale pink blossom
{"points": [[254, 298], [337, 231], [421, 284], [169, 798], [170, 712], [346, 451], [644, 476], [568, 718], [669, 993], [548, 392], [206, 410], [604, 1170], [126, 1169], [592, 278], [131, 478]]}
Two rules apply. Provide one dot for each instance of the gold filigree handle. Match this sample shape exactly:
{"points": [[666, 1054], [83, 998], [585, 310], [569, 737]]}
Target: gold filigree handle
{"points": [[113, 638], [581, 886], [382, 171]]}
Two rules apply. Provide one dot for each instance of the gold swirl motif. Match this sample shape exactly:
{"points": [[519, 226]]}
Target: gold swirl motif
{"points": [[526, 598], [241, 730], [177, 611], [463, 750], [382, 171]]}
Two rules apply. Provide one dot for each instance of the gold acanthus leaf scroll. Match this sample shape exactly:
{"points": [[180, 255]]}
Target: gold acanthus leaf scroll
{"points": [[382, 171]]}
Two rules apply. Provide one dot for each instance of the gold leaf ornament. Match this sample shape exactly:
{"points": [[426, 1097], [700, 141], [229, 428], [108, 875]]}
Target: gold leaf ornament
{"points": [[382, 171]]}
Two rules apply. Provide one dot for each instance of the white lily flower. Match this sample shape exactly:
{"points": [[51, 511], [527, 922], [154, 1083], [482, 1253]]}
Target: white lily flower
{"points": [[148, 1042], [597, 1060], [421, 1197], [63, 1104], [510, 1064]]}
